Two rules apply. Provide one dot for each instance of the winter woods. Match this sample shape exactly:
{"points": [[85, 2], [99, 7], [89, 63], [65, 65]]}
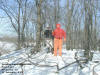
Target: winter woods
{"points": [[80, 19]]}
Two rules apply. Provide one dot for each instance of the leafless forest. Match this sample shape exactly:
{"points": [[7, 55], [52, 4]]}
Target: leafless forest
{"points": [[80, 19]]}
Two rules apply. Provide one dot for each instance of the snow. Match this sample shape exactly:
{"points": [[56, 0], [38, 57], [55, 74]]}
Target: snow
{"points": [[6, 47], [44, 63]]}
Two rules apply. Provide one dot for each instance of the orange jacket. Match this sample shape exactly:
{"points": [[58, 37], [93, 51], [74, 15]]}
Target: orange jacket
{"points": [[58, 32]]}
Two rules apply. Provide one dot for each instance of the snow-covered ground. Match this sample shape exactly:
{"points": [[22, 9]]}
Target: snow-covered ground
{"points": [[6, 47], [44, 63]]}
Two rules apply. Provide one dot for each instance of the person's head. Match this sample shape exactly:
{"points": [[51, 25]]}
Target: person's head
{"points": [[57, 25]]}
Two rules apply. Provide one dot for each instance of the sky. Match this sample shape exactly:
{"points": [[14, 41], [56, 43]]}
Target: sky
{"points": [[5, 26]]}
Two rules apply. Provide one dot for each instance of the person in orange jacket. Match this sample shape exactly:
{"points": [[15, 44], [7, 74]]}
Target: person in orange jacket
{"points": [[58, 34]]}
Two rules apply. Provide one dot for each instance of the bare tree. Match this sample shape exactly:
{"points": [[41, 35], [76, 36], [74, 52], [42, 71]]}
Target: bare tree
{"points": [[17, 18], [31, 17], [39, 26]]}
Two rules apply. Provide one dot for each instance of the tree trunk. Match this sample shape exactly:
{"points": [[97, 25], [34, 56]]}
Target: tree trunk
{"points": [[37, 48], [88, 23]]}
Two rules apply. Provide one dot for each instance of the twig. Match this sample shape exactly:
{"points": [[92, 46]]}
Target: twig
{"points": [[67, 65]]}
